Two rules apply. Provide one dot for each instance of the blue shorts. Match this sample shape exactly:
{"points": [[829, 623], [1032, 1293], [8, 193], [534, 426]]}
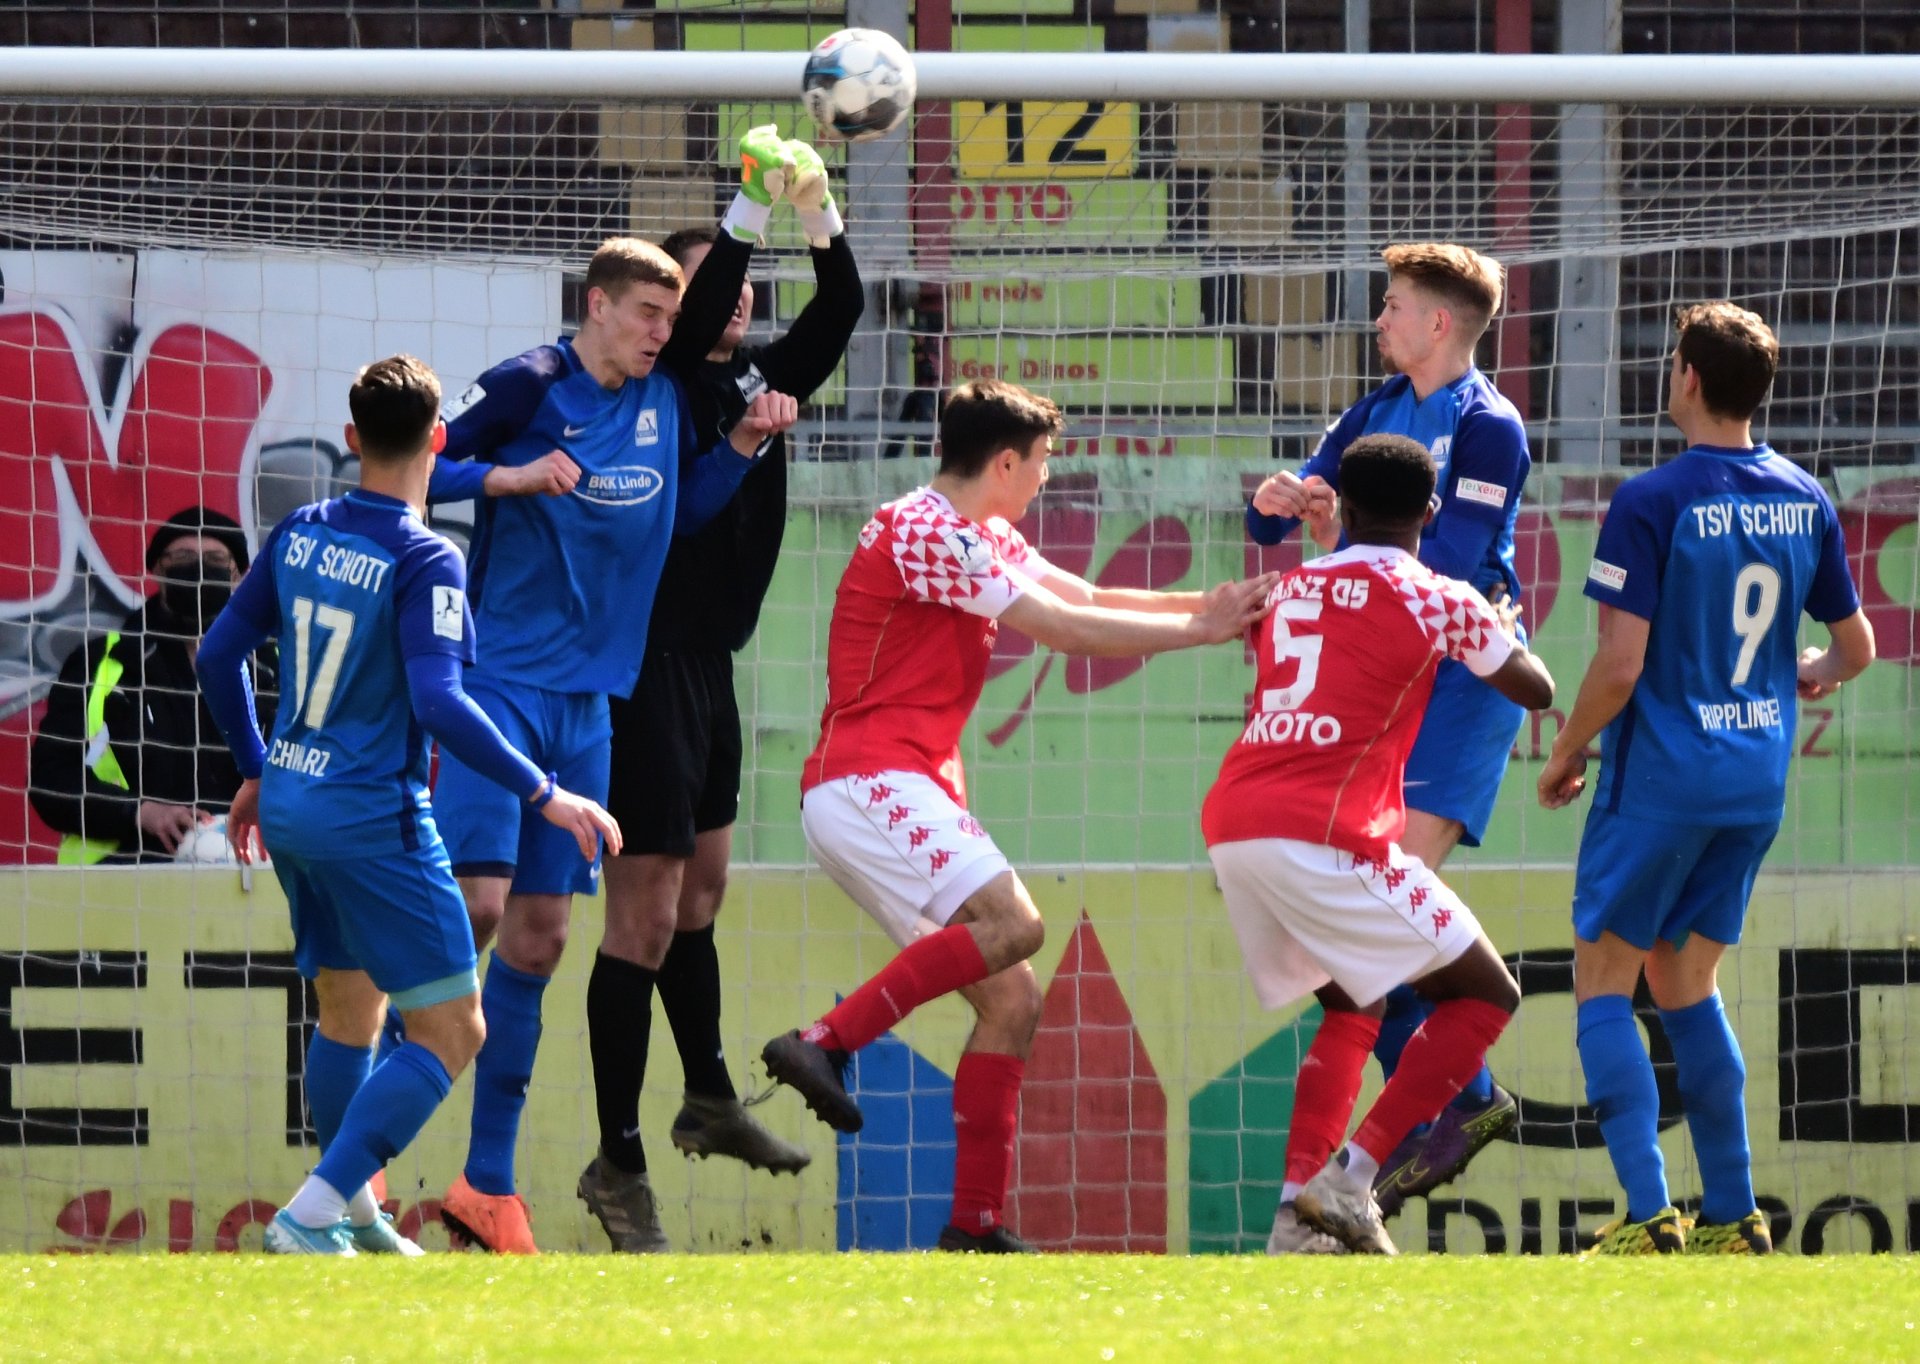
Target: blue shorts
{"points": [[1461, 752], [398, 917], [491, 831], [1652, 879]]}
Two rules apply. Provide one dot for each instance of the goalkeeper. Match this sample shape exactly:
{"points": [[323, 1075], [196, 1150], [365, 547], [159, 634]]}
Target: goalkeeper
{"points": [[1440, 298], [677, 750]]}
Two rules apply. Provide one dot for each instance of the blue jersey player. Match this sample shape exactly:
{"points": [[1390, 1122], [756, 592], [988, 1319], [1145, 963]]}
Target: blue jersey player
{"points": [[563, 587], [368, 606], [1702, 570], [1439, 300]]}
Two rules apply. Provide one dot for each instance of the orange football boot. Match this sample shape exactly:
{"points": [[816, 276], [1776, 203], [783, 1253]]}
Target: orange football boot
{"points": [[495, 1222]]}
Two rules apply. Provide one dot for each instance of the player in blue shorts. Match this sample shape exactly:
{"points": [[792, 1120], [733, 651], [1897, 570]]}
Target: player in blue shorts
{"points": [[1702, 569], [1439, 301], [563, 587], [369, 606]]}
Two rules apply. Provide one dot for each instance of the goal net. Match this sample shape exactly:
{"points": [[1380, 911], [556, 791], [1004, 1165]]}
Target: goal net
{"points": [[190, 285]]}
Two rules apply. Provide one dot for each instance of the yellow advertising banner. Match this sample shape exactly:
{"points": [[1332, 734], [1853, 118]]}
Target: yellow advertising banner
{"points": [[153, 1028]]}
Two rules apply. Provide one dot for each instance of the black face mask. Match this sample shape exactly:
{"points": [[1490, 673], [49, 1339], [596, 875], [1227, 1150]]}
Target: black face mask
{"points": [[194, 593]]}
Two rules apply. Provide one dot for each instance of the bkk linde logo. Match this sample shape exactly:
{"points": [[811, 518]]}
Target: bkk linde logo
{"points": [[621, 486]]}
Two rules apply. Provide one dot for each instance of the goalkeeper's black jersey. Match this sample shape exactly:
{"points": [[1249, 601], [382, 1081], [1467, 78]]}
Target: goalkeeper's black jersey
{"points": [[715, 580]]}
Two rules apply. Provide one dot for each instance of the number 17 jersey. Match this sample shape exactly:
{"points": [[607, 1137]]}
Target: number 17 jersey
{"points": [[1719, 551], [1346, 664], [352, 588]]}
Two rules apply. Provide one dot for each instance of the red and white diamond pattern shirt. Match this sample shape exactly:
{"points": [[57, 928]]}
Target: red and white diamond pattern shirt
{"points": [[913, 627], [1346, 664]]}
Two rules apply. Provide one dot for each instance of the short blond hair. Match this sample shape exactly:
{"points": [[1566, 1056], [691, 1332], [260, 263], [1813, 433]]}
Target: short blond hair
{"points": [[1472, 284], [625, 261]]}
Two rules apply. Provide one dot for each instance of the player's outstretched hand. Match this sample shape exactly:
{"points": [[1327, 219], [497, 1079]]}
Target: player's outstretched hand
{"points": [[586, 821], [1810, 684], [1228, 609], [1562, 779], [765, 164], [770, 414], [243, 821], [552, 475]]}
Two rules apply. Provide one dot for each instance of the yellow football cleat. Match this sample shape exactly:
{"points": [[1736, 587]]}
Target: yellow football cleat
{"points": [[1749, 1236], [1664, 1233]]}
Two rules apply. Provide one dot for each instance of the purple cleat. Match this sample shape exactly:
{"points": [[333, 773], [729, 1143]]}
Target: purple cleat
{"points": [[1426, 1160]]}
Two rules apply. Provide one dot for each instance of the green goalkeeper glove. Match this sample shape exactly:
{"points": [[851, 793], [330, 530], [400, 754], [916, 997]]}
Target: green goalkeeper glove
{"points": [[765, 170], [807, 190]]}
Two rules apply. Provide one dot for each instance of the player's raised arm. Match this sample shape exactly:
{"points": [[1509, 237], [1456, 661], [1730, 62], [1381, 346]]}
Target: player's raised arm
{"points": [[805, 358], [716, 290]]}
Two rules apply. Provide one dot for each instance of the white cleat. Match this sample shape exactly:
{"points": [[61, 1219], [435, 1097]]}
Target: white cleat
{"points": [[1291, 1236], [382, 1237], [1330, 1203]]}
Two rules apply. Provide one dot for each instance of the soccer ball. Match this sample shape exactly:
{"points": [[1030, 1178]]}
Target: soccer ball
{"points": [[858, 85], [207, 846]]}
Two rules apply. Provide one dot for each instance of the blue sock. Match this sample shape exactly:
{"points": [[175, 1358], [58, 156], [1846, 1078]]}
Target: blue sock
{"points": [[335, 1073], [387, 1114], [1620, 1084], [1713, 1087], [1406, 1011], [392, 1033], [510, 1001], [1477, 1092]]}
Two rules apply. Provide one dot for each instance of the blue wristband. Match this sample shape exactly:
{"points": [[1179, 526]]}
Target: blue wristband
{"points": [[539, 799]]}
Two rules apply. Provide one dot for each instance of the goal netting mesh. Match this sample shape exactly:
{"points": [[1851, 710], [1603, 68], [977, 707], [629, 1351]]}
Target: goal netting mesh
{"points": [[189, 287]]}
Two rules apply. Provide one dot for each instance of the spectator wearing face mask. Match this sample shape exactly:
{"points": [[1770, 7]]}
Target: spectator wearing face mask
{"points": [[128, 761]]}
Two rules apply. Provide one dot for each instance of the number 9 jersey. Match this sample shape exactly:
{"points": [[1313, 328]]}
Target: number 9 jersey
{"points": [[1346, 664], [352, 588], [1720, 551]]}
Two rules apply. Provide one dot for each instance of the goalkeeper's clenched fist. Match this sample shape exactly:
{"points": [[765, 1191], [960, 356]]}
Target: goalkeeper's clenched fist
{"points": [[772, 168]]}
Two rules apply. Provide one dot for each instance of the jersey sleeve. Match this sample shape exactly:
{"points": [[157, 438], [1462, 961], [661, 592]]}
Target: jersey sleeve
{"points": [[1017, 554], [1833, 596], [255, 600], [949, 563], [1630, 554], [1473, 634], [1457, 621], [430, 603], [494, 410], [1488, 471]]}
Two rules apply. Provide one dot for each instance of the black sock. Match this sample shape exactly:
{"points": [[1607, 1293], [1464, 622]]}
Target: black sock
{"points": [[690, 993], [619, 1023]]}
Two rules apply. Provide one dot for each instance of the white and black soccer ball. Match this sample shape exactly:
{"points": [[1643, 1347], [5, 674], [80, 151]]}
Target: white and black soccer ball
{"points": [[859, 84]]}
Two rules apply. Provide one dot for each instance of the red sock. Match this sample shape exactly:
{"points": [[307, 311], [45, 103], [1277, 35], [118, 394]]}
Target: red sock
{"points": [[935, 965], [1325, 1089], [986, 1095], [1441, 1057]]}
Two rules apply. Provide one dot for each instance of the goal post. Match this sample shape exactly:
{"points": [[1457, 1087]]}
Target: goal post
{"points": [[199, 249]]}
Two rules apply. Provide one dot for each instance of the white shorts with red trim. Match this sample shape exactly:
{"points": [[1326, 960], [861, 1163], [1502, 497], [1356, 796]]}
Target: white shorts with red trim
{"points": [[1306, 914], [900, 847]]}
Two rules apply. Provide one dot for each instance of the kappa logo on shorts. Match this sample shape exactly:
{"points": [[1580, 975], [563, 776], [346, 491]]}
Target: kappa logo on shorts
{"points": [[919, 834], [896, 815], [878, 792], [939, 861]]}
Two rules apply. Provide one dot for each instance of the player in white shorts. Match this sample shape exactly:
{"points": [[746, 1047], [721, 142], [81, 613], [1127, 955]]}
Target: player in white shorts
{"points": [[883, 795], [1302, 827]]}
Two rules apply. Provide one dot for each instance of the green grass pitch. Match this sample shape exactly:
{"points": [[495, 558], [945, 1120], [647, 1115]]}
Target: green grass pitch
{"points": [[788, 1309]]}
